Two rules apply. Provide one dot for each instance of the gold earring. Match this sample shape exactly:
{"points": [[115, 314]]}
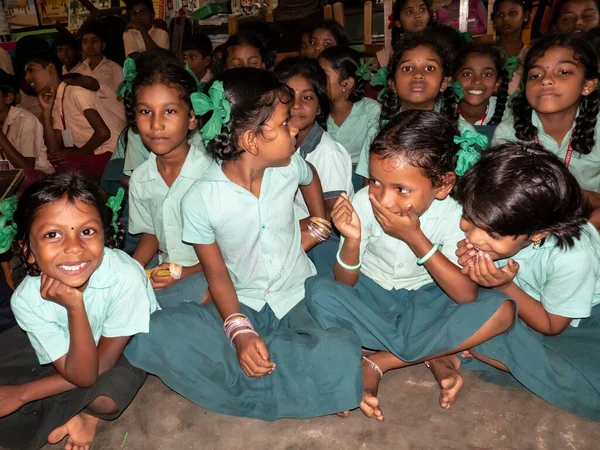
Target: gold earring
{"points": [[537, 243]]}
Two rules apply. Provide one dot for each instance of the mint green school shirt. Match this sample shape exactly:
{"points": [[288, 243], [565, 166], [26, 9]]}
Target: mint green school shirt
{"points": [[118, 301], [259, 238], [154, 208], [566, 281], [363, 162], [585, 168], [389, 261], [359, 129]]}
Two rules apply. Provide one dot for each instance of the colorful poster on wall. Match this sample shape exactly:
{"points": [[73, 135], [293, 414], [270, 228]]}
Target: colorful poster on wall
{"points": [[78, 14], [51, 11], [21, 13]]}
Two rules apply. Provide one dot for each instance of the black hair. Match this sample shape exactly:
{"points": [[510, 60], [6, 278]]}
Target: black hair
{"points": [[447, 38], [94, 27], [253, 94], [520, 190], [582, 140], [390, 103], [63, 40], [71, 186], [44, 59], [346, 61], [336, 30], [409, 136], [159, 71], [200, 42], [8, 83], [397, 10], [525, 4], [497, 56], [560, 5], [312, 71], [593, 37], [147, 3], [250, 39]]}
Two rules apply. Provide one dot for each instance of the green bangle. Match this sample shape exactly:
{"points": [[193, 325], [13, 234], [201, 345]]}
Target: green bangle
{"points": [[346, 266], [424, 259]]}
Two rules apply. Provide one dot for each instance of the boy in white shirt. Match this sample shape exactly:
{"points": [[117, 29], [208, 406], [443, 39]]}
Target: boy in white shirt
{"points": [[140, 35]]}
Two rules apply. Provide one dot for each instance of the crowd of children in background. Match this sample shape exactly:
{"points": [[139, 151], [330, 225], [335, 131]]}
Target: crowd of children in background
{"points": [[271, 238]]}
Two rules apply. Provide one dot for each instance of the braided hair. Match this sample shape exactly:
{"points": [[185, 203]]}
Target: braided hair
{"points": [[497, 56], [582, 139]]}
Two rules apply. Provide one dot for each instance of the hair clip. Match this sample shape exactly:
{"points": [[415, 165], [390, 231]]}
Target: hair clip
{"points": [[469, 154], [215, 101], [114, 203], [8, 207], [129, 74], [363, 71]]}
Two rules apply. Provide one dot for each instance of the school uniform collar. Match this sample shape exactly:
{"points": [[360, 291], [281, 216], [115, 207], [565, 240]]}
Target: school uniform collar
{"points": [[12, 116], [438, 209], [535, 120], [193, 167], [313, 139], [86, 62], [106, 275]]}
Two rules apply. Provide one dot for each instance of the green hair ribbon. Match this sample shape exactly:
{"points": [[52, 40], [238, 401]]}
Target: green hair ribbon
{"points": [[8, 207], [471, 143], [215, 101], [363, 71], [459, 91], [380, 79], [510, 66], [129, 73], [114, 203], [466, 37], [384, 123]]}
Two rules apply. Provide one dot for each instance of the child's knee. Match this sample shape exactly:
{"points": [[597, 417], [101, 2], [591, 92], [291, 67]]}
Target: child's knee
{"points": [[104, 405], [504, 316]]}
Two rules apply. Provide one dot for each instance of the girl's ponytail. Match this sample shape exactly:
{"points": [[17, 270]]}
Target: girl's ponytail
{"points": [[449, 107], [582, 140], [524, 129], [501, 99]]}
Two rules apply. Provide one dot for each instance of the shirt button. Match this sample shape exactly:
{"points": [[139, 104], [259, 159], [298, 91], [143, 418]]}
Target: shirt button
{"points": [[401, 265], [268, 292], [170, 224], [263, 226]]}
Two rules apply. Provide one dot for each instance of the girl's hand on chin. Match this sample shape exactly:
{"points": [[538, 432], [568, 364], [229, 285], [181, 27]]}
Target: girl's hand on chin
{"points": [[404, 227], [59, 293]]}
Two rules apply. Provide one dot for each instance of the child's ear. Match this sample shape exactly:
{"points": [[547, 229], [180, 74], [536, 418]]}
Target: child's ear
{"points": [[446, 185], [249, 142], [539, 236], [26, 251], [193, 121], [497, 85], [207, 60], [103, 46], [392, 86], [9, 98], [445, 82], [347, 84], [589, 86]]}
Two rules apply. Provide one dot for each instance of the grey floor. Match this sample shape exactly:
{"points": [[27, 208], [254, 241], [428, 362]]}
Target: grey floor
{"points": [[486, 416]]}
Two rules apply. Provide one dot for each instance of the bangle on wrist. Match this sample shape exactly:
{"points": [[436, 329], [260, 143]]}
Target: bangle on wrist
{"points": [[346, 266], [429, 254]]}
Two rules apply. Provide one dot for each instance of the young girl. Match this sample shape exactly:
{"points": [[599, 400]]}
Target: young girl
{"points": [[576, 16], [328, 34], [559, 108], [273, 360], [330, 159], [79, 306], [244, 50], [418, 77], [354, 119], [480, 69], [409, 16], [162, 113], [398, 242], [524, 210]]}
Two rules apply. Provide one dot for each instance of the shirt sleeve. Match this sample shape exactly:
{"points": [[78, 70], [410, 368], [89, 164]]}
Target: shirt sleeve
{"points": [[140, 217], [117, 75], [136, 154], [504, 133], [82, 98], [28, 141], [49, 340], [129, 43], [131, 302], [450, 223], [334, 171], [197, 227], [57, 118], [161, 38], [303, 169]]}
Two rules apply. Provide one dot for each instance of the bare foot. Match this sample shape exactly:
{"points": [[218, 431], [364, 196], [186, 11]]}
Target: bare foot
{"points": [[370, 403], [343, 414], [80, 430], [445, 371]]}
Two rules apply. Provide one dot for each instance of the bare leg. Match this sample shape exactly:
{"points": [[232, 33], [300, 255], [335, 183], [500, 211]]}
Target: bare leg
{"points": [[446, 372], [81, 429], [490, 361]]}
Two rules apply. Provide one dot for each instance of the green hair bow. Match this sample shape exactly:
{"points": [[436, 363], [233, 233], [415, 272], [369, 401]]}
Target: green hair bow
{"points": [[363, 71], [380, 79], [114, 203], [459, 91], [8, 207], [471, 143], [510, 66], [129, 73], [215, 101], [466, 37]]}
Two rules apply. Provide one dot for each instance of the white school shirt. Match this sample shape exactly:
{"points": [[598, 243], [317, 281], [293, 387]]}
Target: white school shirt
{"points": [[331, 161], [108, 72], [389, 261], [26, 134], [134, 42], [259, 238]]}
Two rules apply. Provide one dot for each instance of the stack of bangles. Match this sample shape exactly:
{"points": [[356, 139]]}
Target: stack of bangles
{"points": [[319, 228], [237, 324]]}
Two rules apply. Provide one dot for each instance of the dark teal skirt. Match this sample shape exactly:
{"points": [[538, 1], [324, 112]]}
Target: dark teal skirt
{"points": [[190, 289], [410, 324], [318, 372], [563, 370], [323, 255]]}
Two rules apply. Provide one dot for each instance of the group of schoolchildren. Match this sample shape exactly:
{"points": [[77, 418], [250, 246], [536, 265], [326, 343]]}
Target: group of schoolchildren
{"points": [[271, 241]]}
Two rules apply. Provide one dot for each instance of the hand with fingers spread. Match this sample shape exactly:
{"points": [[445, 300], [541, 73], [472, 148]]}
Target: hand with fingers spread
{"points": [[465, 252], [484, 272], [59, 293], [404, 226], [253, 355], [345, 219]]}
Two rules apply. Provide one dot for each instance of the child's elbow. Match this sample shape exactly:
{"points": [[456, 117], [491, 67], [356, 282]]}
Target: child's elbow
{"points": [[104, 134], [467, 295], [84, 380]]}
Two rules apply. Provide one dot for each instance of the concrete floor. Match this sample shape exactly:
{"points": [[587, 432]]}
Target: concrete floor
{"points": [[486, 416]]}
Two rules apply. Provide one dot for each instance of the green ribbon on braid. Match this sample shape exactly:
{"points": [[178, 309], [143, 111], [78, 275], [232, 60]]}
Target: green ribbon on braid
{"points": [[363, 71], [114, 203], [8, 207], [510, 66], [466, 37], [380, 79], [215, 101], [129, 73], [459, 91], [471, 144]]}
